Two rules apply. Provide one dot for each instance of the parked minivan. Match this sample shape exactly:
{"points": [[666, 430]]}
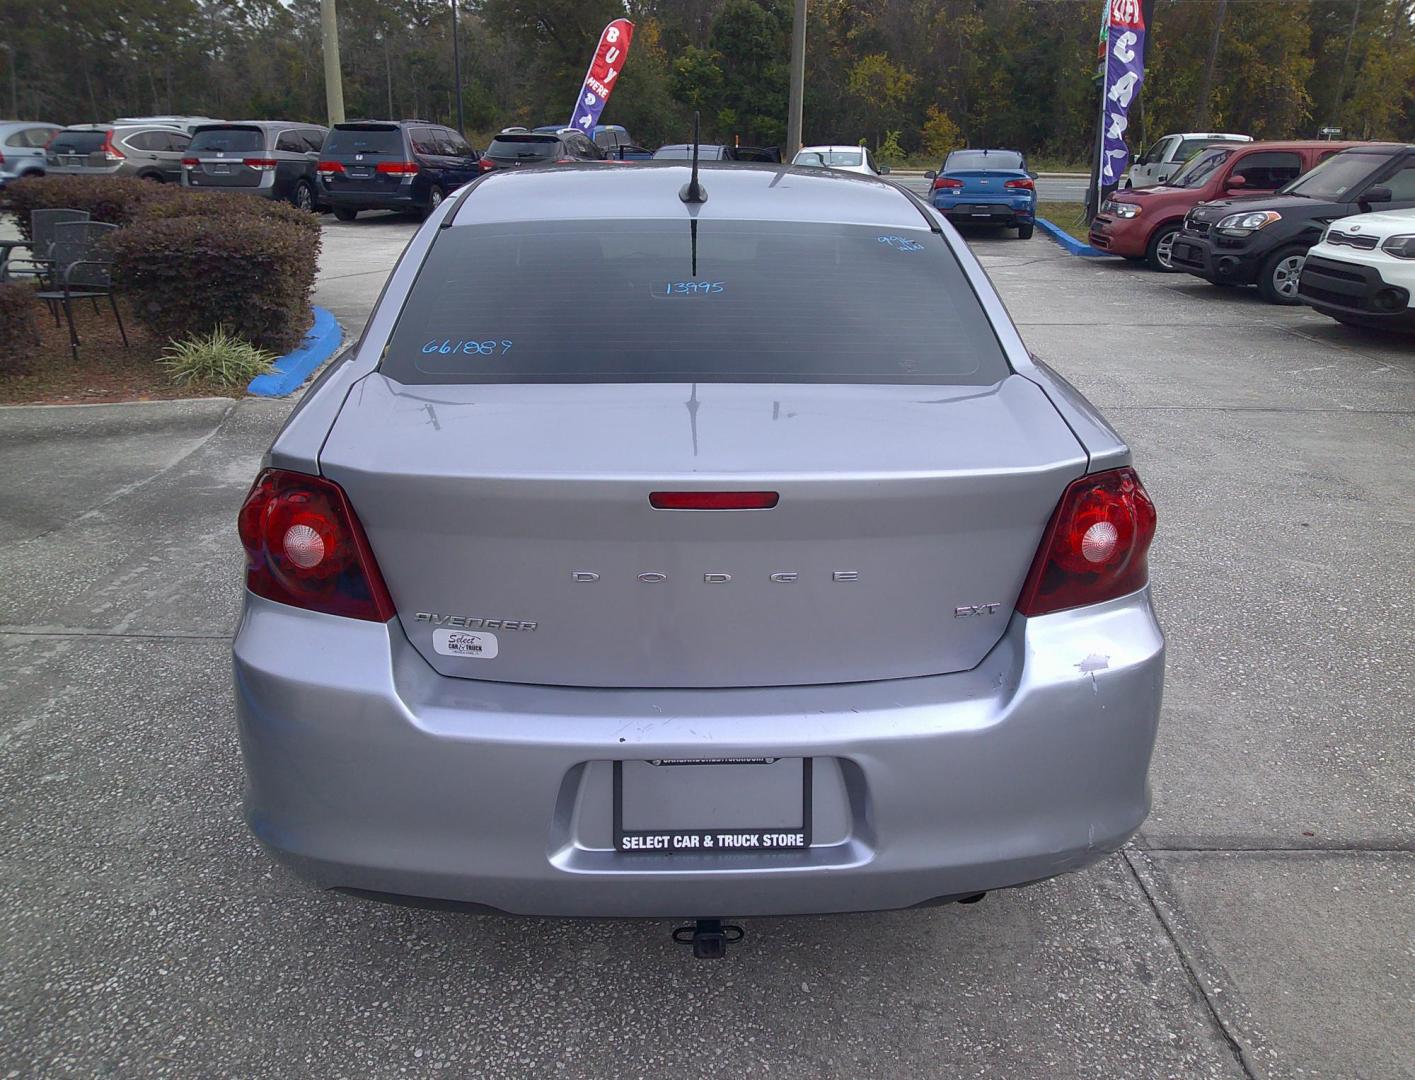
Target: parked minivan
{"points": [[409, 165], [142, 151], [22, 144], [275, 159]]}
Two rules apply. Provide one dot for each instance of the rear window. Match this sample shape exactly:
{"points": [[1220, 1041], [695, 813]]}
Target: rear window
{"points": [[382, 139], [77, 142], [765, 302], [230, 140], [524, 147], [976, 159]]}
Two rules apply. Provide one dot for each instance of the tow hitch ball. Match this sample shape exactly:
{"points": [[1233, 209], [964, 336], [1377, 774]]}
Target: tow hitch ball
{"points": [[708, 937]]}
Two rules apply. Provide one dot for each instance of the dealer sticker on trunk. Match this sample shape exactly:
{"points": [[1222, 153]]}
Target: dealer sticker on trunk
{"points": [[478, 645]]}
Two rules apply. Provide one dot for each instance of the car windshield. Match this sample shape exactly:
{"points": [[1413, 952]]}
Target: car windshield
{"points": [[1199, 168], [983, 159], [1334, 179], [732, 301], [379, 139], [77, 142], [524, 147], [227, 140], [830, 158]]}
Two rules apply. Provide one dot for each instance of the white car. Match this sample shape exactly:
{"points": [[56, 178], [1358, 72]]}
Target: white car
{"points": [[856, 159], [1363, 271], [1163, 158]]}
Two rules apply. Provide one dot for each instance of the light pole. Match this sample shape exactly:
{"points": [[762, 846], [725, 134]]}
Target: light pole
{"points": [[457, 71], [333, 77], [798, 79], [14, 81]]}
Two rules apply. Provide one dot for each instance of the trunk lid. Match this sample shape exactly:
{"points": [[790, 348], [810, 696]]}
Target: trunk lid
{"points": [[522, 512]]}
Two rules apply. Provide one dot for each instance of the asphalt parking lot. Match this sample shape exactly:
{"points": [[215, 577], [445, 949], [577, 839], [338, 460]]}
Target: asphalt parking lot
{"points": [[1260, 925]]}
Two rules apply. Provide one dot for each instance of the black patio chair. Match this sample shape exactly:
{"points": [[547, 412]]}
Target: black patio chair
{"points": [[42, 224], [79, 270]]}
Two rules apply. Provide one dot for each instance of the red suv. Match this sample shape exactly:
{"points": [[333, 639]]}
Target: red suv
{"points": [[1141, 223]]}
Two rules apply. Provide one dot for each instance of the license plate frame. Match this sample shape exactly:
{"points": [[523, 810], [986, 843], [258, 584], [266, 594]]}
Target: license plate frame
{"points": [[730, 840]]}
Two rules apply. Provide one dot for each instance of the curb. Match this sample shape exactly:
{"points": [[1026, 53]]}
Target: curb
{"points": [[1069, 243], [292, 369]]}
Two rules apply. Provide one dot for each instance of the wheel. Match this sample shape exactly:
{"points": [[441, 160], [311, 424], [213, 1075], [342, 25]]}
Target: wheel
{"points": [[343, 213], [1024, 232], [1159, 252], [434, 200], [1277, 280], [151, 177], [303, 197]]}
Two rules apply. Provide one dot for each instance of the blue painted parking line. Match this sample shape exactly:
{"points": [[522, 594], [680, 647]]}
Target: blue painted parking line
{"points": [[1067, 241], [292, 369]]}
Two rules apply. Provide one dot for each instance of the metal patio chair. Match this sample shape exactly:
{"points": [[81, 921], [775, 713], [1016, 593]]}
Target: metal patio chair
{"points": [[42, 224], [79, 270]]}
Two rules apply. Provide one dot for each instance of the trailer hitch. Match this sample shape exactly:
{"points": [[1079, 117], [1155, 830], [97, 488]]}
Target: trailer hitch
{"points": [[709, 938]]}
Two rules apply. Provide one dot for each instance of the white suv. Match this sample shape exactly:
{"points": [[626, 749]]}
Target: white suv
{"points": [[1363, 271], [1163, 158]]}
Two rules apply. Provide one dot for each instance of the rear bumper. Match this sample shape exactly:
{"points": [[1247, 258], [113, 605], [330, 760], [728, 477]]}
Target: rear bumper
{"points": [[367, 770], [264, 189], [1337, 287], [368, 200], [986, 209]]}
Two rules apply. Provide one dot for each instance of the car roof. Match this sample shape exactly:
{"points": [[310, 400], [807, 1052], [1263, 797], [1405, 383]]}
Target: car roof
{"points": [[649, 191], [267, 124], [1221, 136], [832, 147], [1295, 144]]}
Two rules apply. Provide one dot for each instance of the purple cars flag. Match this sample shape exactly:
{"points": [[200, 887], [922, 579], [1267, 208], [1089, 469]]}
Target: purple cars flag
{"points": [[601, 77], [1124, 73]]}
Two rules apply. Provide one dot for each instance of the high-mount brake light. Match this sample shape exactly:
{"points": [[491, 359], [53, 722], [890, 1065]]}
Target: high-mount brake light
{"points": [[329, 167], [1023, 183], [713, 500], [305, 547], [947, 183], [1095, 547], [396, 168]]}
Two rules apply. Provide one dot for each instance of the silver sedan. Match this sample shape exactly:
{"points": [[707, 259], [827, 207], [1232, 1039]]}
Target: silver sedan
{"points": [[607, 575]]}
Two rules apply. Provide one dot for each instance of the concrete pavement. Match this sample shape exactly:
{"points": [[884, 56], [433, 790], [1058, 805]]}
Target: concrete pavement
{"points": [[1261, 924]]}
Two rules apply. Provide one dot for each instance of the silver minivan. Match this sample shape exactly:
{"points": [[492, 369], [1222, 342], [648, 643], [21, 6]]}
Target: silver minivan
{"points": [[145, 151], [22, 144]]}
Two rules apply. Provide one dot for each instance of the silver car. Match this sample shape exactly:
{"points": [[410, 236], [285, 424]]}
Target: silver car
{"points": [[22, 144], [141, 151], [716, 614]]}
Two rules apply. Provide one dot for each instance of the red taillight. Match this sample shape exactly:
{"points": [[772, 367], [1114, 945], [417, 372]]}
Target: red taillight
{"points": [[111, 152], [1095, 548], [397, 168], [713, 500], [1024, 183], [330, 167], [486, 164], [947, 183], [190, 163], [259, 164], [305, 547]]}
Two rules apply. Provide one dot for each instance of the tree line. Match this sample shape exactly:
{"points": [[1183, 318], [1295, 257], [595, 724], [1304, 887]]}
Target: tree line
{"points": [[913, 77]]}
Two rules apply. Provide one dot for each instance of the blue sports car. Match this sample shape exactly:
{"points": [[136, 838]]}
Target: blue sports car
{"points": [[986, 187]]}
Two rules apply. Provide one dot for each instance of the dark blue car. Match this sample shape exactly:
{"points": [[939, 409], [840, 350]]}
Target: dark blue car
{"points": [[986, 187]]}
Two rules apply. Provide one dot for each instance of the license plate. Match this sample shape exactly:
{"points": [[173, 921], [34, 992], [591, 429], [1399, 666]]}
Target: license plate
{"points": [[693, 806], [221, 170], [360, 174]]}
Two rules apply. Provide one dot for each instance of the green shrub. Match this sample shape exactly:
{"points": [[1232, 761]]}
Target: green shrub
{"points": [[252, 274], [217, 359], [18, 333], [116, 200], [184, 202]]}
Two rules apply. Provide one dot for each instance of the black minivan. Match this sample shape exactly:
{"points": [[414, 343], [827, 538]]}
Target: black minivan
{"points": [[272, 158], [409, 165]]}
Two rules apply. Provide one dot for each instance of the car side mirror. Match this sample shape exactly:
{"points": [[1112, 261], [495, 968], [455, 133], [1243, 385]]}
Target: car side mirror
{"points": [[1238, 180], [930, 175], [1375, 195], [1135, 159], [1031, 175], [883, 169]]}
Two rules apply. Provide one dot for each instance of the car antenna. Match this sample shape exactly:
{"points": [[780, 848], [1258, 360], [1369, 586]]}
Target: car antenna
{"points": [[692, 191]]}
